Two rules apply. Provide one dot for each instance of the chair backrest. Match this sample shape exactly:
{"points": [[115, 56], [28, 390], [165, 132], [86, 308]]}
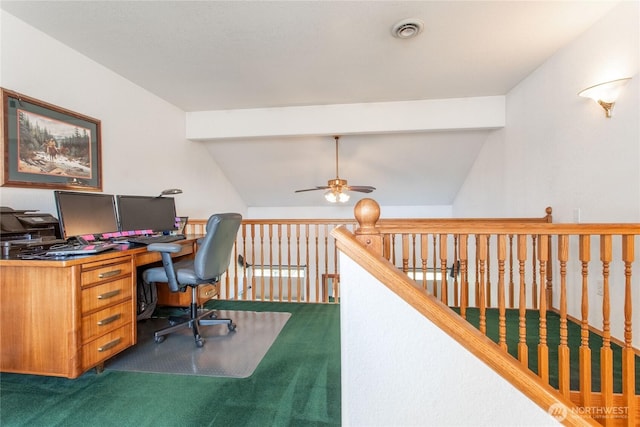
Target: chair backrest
{"points": [[214, 250]]}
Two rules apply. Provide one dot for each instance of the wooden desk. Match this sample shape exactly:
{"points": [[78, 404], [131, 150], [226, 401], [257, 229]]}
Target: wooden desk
{"points": [[62, 318]]}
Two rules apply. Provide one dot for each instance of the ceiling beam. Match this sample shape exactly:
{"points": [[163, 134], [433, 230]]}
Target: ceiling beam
{"points": [[343, 119]]}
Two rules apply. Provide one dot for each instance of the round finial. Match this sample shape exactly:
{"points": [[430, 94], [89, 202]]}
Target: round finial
{"points": [[367, 213]]}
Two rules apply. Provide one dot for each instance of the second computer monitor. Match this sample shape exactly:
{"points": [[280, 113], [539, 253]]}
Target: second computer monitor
{"points": [[137, 213]]}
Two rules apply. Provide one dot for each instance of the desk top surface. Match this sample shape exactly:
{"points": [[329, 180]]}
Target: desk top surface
{"points": [[15, 259]]}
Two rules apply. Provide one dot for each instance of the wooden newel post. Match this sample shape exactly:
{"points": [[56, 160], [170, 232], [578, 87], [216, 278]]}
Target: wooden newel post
{"points": [[367, 213]]}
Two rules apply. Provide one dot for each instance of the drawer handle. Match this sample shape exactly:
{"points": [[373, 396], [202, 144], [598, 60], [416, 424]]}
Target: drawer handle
{"points": [[110, 319], [109, 274], [109, 345], [109, 294]]}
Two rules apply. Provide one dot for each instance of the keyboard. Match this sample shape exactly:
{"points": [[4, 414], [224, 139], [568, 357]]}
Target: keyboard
{"points": [[164, 238], [80, 249]]}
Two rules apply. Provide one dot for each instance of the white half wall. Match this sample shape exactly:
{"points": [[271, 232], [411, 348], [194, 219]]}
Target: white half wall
{"points": [[144, 149], [399, 369]]}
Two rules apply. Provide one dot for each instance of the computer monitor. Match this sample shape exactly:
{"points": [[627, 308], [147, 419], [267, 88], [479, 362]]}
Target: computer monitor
{"points": [[146, 214], [86, 215]]}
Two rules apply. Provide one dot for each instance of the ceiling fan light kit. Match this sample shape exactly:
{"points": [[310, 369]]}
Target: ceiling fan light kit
{"points": [[337, 188]]}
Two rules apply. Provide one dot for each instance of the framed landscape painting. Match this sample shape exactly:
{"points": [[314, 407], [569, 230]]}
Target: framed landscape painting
{"points": [[45, 146]]}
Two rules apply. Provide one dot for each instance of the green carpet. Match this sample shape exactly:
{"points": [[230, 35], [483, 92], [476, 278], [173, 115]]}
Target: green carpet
{"points": [[296, 384], [553, 340]]}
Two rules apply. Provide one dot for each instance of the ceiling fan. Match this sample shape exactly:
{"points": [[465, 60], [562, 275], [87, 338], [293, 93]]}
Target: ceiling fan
{"points": [[337, 188]]}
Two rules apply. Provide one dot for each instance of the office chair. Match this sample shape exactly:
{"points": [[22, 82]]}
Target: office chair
{"points": [[211, 260]]}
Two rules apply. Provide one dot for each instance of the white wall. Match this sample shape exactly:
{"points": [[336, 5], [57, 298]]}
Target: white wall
{"points": [[399, 369], [144, 149], [346, 212], [559, 150]]}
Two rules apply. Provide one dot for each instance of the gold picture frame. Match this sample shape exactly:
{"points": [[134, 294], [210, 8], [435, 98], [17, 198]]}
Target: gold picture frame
{"points": [[45, 146]]}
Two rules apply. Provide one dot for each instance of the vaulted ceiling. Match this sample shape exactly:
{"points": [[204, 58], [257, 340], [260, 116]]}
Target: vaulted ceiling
{"points": [[235, 55]]}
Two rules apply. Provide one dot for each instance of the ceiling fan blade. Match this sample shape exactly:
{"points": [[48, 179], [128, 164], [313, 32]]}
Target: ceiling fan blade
{"points": [[312, 189], [361, 188]]}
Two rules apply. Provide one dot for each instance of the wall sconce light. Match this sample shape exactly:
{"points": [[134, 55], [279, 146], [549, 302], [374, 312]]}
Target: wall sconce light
{"points": [[605, 94]]}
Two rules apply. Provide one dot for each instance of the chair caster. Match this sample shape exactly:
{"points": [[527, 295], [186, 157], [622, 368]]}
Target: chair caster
{"points": [[199, 342], [232, 327], [159, 339]]}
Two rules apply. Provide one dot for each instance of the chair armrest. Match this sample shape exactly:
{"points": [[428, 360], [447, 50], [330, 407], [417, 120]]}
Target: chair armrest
{"points": [[164, 247]]}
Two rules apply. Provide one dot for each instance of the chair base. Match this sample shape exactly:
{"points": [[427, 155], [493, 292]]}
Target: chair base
{"points": [[195, 319]]}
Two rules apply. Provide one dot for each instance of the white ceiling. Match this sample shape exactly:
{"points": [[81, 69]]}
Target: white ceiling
{"points": [[221, 55]]}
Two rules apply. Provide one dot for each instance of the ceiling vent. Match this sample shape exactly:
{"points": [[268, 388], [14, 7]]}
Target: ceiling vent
{"points": [[407, 28]]}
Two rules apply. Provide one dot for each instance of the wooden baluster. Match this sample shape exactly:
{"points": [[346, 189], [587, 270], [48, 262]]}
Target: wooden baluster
{"points": [[628, 354], [482, 256], [392, 249], [549, 277], [534, 284], [298, 278], [234, 269], [511, 284], [386, 246], [477, 274], [288, 281], [606, 354], [243, 233], [336, 269], [585, 350], [444, 285], [405, 253], [326, 251], [279, 235], [543, 349], [563, 348], [455, 266], [434, 282], [488, 270], [307, 261], [502, 315], [270, 263], [464, 275], [523, 349], [424, 246], [413, 255], [253, 257], [317, 261], [262, 250]]}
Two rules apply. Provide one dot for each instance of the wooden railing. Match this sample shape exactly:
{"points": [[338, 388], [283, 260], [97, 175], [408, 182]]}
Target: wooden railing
{"points": [[457, 328], [296, 260], [488, 270], [514, 255], [282, 260]]}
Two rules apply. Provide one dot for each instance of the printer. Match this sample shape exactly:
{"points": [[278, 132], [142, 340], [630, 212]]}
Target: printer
{"points": [[27, 228]]}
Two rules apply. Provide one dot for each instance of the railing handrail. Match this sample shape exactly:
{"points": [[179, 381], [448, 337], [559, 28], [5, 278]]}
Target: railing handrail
{"points": [[484, 227], [463, 332]]}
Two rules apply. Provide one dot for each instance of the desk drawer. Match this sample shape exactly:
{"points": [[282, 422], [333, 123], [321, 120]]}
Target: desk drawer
{"points": [[106, 346], [106, 294], [105, 272], [106, 320]]}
